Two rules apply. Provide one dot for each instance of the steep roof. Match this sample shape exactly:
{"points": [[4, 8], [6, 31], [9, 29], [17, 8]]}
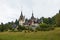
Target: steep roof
{"points": [[21, 16], [32, 17]]}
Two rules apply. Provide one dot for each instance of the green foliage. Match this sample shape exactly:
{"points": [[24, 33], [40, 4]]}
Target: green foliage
{"points": [[46, 27], [13, 30], [17, 22], [53, 20], [21, 28], [47, 20], [7, 26], [50, 21], [38, 28], [44, 35], [10, 26], [31, 29], [57, 19], [2, 27], [43, 27]]}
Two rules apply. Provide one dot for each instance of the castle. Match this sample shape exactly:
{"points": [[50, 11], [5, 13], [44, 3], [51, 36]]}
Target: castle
{"points": [[31, 22]]}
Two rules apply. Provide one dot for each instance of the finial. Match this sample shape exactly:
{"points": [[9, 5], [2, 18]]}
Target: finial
{"points": [[32, 13]]}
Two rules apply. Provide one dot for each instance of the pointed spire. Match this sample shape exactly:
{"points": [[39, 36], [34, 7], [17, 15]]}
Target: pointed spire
{"points": [[21, 13], [32, 15]]}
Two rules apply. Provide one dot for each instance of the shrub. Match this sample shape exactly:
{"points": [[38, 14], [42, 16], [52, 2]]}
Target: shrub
{"points": [[52, 27], [43, 27], [31, 29], [46, 27], [21, 28], [38, 28]]}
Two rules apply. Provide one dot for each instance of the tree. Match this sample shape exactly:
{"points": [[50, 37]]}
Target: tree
{"points": [[17, 22], [57, 19], [53, 20], [2, 27], [43, 26], [50, 21], [9, 25], [46, 27], [47, 20]]}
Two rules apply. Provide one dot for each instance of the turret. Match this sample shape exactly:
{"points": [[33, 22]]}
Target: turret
{"points": [[32, 16], [21, 19]]}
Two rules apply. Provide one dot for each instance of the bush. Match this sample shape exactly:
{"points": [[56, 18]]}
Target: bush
{"points": [[52, 27], [31, 29], [43, 27], [21, 28], [46, 27], [2, 28], [38, 28]]}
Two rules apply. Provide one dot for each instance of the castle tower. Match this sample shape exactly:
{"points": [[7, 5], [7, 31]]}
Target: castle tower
{"points": [[32, 16], [32, 19], [21, 19]]}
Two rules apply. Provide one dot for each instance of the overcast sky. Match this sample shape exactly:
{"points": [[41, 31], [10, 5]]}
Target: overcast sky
{"points": [[10, 9]]}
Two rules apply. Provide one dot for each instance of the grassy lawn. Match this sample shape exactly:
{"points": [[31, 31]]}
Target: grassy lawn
{"points": [[41, 35]]}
